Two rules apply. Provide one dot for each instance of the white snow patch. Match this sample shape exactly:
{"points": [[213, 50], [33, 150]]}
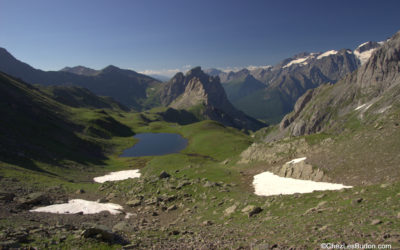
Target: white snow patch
{"points": [[349, 52], [118, 176], [364, 106], [364, 56], [359, 46], [267, 183], [297, 160], [301, 61], [327, 53], [78, 205], [253, 67], [382, 42], [360, 107]]}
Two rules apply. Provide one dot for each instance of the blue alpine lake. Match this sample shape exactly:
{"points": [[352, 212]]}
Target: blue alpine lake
{"points": [[156, 144]]}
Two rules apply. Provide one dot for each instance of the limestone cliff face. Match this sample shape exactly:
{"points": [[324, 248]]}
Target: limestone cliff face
{"points": [[382, 70], [174, 88], [373, 88], [197, 90]]}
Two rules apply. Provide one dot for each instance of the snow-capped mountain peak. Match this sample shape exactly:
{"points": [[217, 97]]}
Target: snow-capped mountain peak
{"points": [[327, 53], [364, 51], [300, 60], [252, 67]]}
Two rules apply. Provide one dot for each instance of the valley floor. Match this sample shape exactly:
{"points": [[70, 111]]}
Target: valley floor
{"points": [[208, 201]]}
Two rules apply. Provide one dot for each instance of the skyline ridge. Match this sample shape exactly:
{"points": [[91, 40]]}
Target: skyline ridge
{"points": [[158, 35]]}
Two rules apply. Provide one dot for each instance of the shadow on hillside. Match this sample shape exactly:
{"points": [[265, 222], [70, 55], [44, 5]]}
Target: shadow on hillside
{"points": [[24, 163], [34, 127], [182, 117]]}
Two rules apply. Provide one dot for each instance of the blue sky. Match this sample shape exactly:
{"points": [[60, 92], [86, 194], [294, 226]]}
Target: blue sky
{"points": [[163, 36]]}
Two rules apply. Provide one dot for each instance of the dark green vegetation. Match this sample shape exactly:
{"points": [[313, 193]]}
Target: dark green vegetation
{"points": [[181, 117], [243, 86], [79, 97], [250, 95], [270, 102]]}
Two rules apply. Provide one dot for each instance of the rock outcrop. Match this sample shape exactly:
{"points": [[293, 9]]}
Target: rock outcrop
{"points": [[272, 152], [301, 170], [204, 96]]}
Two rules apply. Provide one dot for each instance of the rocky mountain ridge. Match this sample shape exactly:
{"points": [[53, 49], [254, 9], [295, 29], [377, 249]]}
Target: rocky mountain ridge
{"points": [[371, 90], [285, 82], [205, 96], [126, 86], [361, 52]]}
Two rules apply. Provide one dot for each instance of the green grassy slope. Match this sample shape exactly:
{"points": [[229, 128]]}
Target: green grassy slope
{"points": [[205, 187], [206, 179], [35, 128]]}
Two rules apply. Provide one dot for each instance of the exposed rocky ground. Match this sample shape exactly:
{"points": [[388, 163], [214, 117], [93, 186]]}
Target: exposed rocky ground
{"points": [[178, 212]]}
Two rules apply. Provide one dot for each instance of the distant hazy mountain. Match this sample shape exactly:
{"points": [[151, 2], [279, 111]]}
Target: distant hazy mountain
{"points": [[213, 72], [226, 76], [204, 96], [285, 82], [243, 85], [126, 86], [80, 70], [161, 78]]}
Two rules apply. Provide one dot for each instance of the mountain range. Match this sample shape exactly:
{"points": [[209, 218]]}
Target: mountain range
{"points": [[128, 87], [268, 93], [78, 86], [348, 130], [370, 94]]}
